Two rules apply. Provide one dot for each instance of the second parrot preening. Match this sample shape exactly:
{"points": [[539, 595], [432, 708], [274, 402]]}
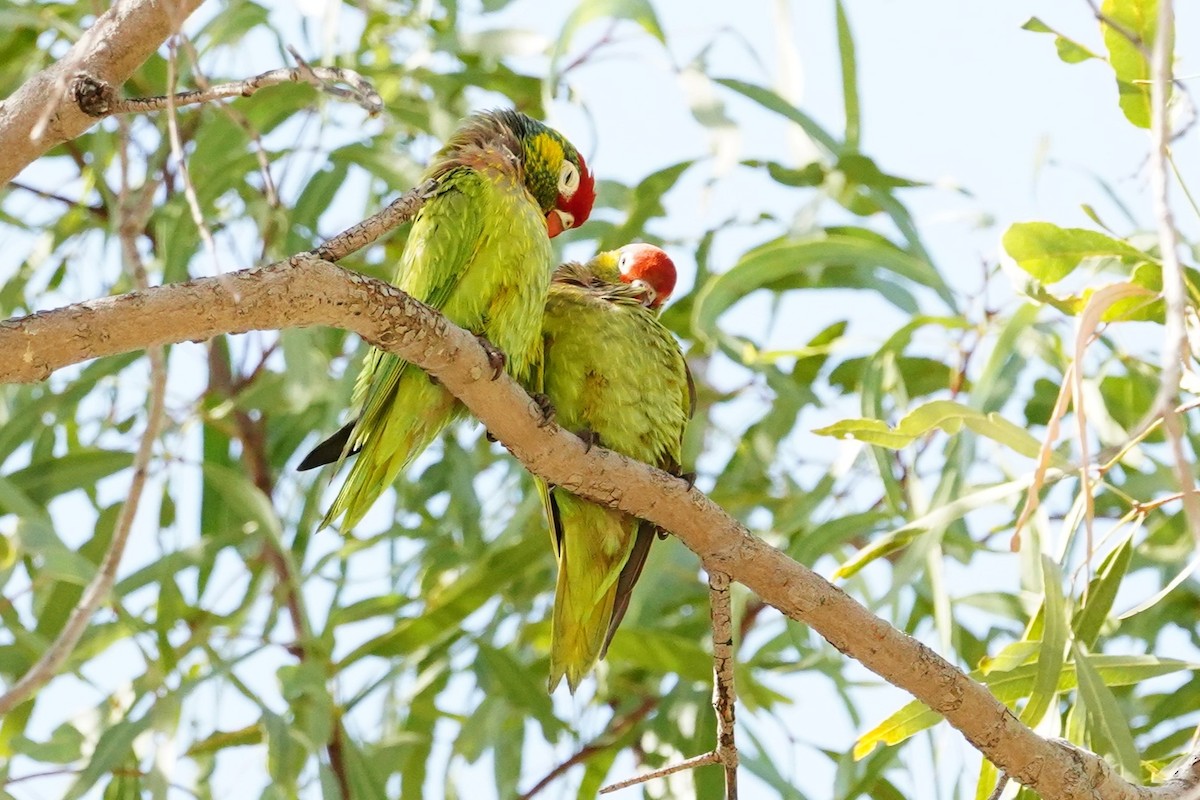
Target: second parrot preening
{"points": [[616, 377], [479, 252]]}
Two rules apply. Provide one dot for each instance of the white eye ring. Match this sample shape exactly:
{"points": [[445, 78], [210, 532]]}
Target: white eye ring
{"points": [[566, 218], [568, 180], [623, 265]]}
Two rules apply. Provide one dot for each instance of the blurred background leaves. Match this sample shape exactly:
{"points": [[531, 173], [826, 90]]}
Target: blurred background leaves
{"points": [[243, 651]]}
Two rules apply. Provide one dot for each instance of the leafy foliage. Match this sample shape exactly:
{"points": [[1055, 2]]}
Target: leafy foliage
{"points": [[410, 660]]}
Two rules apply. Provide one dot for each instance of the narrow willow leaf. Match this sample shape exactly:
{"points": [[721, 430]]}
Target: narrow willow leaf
{"points": [[939, 517], [1011, 685], [1106, 721], [849, 78], [241, 497], [819, 256], [1101, 592], [1054, 643], [114, 748], [946, 415], [773, 102]]}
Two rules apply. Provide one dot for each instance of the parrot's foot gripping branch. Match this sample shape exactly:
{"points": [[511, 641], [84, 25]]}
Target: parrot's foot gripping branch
{"points": [[590, 439], [495, 356], [689, 477], [545, 406]]}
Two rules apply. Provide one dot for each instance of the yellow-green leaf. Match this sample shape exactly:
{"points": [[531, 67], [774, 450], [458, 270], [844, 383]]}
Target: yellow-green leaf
{"points": [[1129, 28], [1050, 253]]}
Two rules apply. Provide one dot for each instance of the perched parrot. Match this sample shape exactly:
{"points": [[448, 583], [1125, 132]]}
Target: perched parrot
{"points": [[616, 377], [479, 251]]}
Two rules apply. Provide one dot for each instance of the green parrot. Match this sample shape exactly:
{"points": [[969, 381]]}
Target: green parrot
{"points": [[615, 376], [479, 252]]}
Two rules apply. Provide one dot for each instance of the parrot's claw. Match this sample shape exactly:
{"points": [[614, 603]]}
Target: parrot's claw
{"points": [[545, 406], [433, 379], [491, 437], [495, 355], [590, 439], [689, 477]]}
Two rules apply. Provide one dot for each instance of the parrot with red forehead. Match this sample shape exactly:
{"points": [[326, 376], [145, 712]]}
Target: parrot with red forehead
{"points": [[617, 378], [479, 252]]}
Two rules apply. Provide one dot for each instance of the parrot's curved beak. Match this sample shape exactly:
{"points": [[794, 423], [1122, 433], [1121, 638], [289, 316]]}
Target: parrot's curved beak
{"points": [[558, 221]]}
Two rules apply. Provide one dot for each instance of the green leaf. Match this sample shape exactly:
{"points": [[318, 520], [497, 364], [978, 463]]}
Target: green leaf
{"points": [[1069, 50], [638, 11], [82, 468], [661, 652], [1129, 29], [1054, 644], [821, 259], [114, 747], [935, 519], [1102, 592], [644, 203], [220, 740], [773, 102], [1011, 685], [1107, 724], [243, 499], [446, 609], [946, 415], [367, 778], [1050, 253], [849, 78]]}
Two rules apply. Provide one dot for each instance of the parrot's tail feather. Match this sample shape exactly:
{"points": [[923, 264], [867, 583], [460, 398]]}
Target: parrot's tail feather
{"points": [[395, 441], [330, 450], [646, 534], [595, 545], [578, 634]]}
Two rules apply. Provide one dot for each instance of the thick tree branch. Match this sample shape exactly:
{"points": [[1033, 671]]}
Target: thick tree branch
{"points": [[306, 291], [40, 114]]}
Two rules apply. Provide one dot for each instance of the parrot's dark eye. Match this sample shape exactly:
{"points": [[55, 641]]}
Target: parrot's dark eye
{"points": [[568, 180], [623, 264]]}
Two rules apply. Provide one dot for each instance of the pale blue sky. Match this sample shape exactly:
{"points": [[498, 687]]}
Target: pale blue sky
{"points": [[953, 93]]}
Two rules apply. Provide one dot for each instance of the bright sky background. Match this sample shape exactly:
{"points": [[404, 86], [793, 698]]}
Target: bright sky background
{"points": [[951, 93]]}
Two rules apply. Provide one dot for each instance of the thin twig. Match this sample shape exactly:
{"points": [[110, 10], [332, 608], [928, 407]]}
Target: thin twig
{"points": [[617, 727], [239, 119], [1000, 784], [1130, 36], [189, 191], [99, 99], [99, 211], [699, 761], [1174, 291], [98, 590], [355, 238], [723, 697]]}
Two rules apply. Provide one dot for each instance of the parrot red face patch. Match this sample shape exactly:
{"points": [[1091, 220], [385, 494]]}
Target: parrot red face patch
{"points": [[650, 266], [579, 203]]}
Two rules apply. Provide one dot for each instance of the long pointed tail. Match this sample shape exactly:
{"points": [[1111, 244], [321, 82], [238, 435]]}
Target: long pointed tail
{"points": [[420, 411], [594, 544]]}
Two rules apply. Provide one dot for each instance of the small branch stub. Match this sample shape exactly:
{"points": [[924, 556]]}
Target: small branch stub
{"points": [[94, 97]]}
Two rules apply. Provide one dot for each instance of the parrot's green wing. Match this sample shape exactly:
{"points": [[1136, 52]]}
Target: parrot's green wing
{"points": [[442, 245], [447, 242]]}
